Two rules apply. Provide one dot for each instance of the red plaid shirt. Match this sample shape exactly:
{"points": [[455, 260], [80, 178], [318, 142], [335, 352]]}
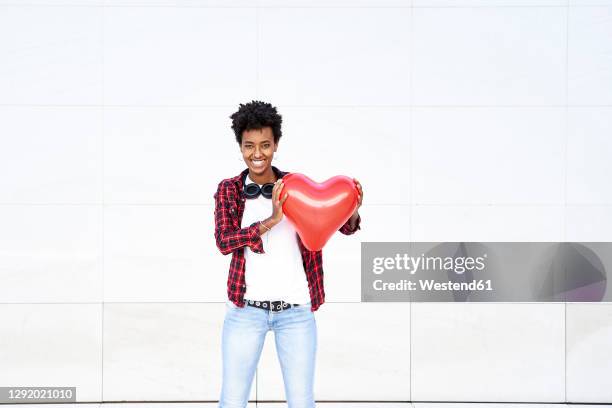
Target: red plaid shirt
{"points": [[230, 238]]}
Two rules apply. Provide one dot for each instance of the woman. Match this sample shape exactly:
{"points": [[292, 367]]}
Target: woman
{"points": [[274, 282]]}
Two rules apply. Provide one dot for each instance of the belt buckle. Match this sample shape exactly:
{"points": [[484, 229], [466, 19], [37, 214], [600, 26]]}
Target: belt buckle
{"points": [[278, 306], [270, 305]]}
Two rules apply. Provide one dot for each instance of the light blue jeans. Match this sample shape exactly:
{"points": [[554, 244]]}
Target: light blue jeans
{"points": [[244, 332]]}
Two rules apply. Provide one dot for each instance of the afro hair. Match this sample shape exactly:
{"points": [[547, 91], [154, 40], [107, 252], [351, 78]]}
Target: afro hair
{"points": [[256, 115]]}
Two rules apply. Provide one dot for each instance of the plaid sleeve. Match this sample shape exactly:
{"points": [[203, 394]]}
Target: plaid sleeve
{"points": [[228, 234], [346, 228]]}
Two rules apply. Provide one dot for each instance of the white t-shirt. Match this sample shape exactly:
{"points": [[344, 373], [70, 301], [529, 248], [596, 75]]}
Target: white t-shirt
{"points": [[277, 274]]}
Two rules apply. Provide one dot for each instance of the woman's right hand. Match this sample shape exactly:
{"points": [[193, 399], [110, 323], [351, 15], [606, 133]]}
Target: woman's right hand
{"points": [[277, 201]]}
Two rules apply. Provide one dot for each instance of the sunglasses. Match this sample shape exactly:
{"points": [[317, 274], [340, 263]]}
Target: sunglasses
{"points": [[253, 190]]}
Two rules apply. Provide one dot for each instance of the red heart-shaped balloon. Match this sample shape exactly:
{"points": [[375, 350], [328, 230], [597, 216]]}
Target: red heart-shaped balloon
{"points": [[317, 210]]}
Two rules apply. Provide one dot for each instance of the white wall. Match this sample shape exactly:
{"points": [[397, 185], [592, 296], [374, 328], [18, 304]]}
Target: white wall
{"points": [[465, 120]]}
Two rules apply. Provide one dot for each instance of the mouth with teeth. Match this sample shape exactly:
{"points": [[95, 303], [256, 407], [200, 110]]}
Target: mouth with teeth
{"points": [[258, 163]]}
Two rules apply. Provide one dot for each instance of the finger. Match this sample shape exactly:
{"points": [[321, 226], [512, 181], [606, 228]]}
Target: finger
{"points": [[275, 191], [359, 190], [284, 198], [279, 191]]}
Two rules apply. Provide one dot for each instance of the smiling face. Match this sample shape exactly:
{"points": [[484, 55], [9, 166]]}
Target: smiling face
{"points": [[257, 149]]}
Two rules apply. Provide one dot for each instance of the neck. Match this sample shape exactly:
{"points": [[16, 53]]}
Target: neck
{"points": [[267, 177]]}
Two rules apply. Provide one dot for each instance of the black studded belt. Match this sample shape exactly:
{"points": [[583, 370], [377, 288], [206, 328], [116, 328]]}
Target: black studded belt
{"points": [[275, 306]]}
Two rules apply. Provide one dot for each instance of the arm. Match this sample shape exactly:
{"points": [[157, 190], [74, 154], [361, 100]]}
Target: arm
{"points": [[228, 235]]}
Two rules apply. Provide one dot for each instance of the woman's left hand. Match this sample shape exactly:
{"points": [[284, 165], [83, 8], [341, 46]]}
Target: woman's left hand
{"points": [[360, 190]]}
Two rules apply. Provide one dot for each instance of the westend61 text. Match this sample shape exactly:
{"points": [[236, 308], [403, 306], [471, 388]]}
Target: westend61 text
{"points": [[429, 284]]}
